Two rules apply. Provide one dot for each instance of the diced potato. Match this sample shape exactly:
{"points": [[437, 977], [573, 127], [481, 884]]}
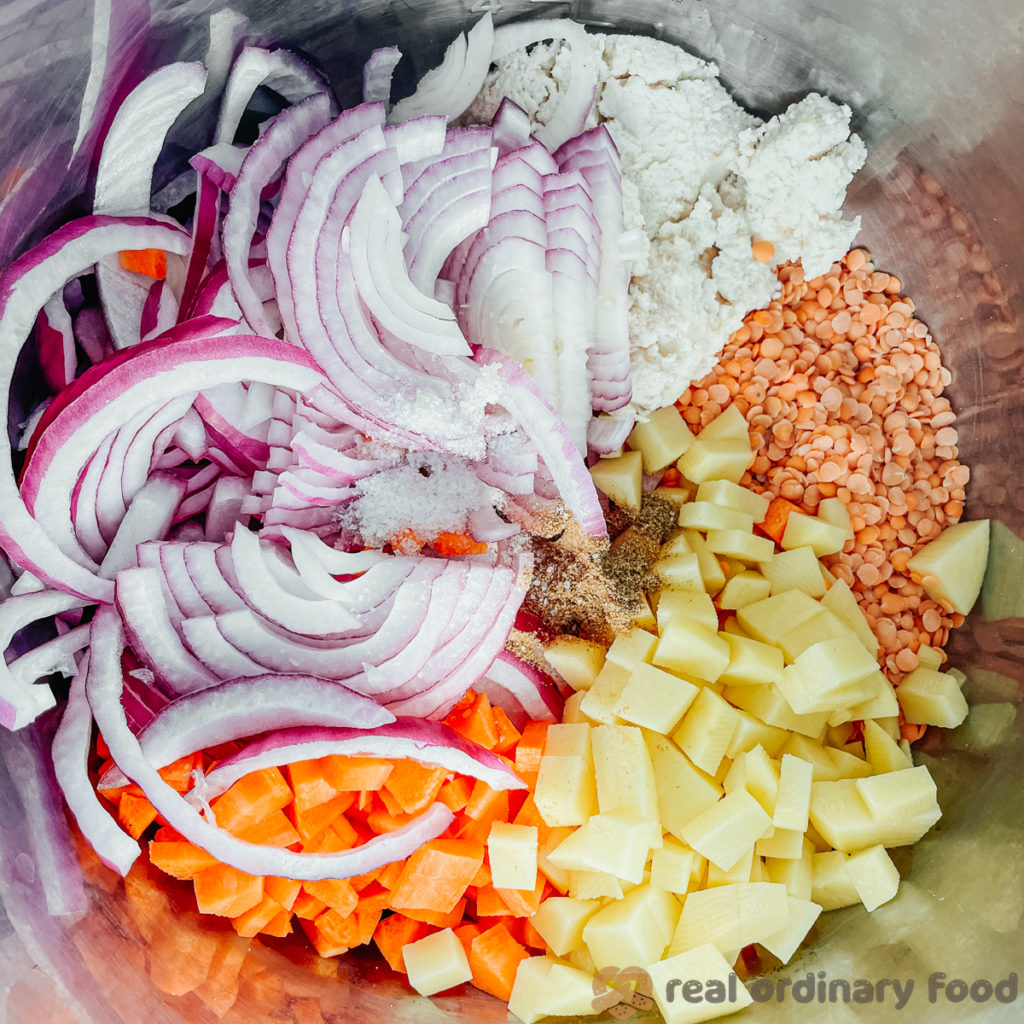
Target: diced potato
{"points": [[672, 866], [691, 649], [683, 790], [767, 703], [694, 605], [782, 844], [576, 660], [725, 492], [730, 916], [593, 885], [809, 531], [822, 626], [827, 676], [793, 798], [751, 731], [703, 515], [644, 617], [677, 543], [796, 569], [760, 777], [706, 730], [905, 800], [571, 713], [785, 942], [544, 987], [831, 884], [550, 840], [599, 701], [621, 478], [928, 697], [741, 871], [633, 930], [751, 662], [512, 855], [874, 876], [744, 547], [673, 495], [567, 740], [729, 425], [560, 921], [710, 568], [952, 567], [655, 699], [680, 571], [850, 762], [768, 619], [841, 816], [793, 872], [727, 830], [719, 990], [566, 790], [625, 776], [929, 657], [879, 703], [744, 588], [883, 752], [436, 962], [662, 439], [629, 648], [715, 460], [581, 959], [840, 601], [616, 843], [818, 756], [834, 511]]}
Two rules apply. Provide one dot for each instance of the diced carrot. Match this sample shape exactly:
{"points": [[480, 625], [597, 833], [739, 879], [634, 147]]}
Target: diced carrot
{"points": [[225, 890], [490, 904], [436, 875], [135, 813], [476, 722], [467, 932], [455, 793], [251, 799], [179, 858], [256, 918], [406, 542], [528, 935], [394, 933], [415, 785], [508, 734], [309, 784], [529, 750], [178, 774], [390, 802], [485, 806], [279, 926], [381, 820], [774, 523], [451, 545], [150, 262], [312, 821], [284, 890], [437, 918], [494, 957], [465, 701], [524, 902], [390, 873], [274, 830], [483, 875], [307, 906], [355, 773], [337, 893], [338, 836], [372, 904], [332, 933]]}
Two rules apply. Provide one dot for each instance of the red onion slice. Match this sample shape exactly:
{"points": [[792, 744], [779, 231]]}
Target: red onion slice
{"points": [[103, 689], [148, 518], [377, 73], [520, 690]]}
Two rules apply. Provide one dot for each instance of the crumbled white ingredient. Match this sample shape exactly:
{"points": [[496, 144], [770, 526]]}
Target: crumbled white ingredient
{"points": [[429, 494], [703, 179]]}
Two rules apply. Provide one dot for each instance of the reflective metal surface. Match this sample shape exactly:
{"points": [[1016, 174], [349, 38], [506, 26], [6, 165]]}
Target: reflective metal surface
{"points": [[937, 87]]}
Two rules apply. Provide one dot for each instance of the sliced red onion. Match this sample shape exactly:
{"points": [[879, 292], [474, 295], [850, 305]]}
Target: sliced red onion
{"points": [[452, 86], [204, 228], [104, 686], [225, 508], [149, 517], [214, 651], [426, 741], [56, 340], [607, 434], [486, 525], [520, 690], [417, 141], [511, 126], [282, 138], [72, 746], [56, 655], [377, 73], [220, 164], [247, 706], [573, 109]]}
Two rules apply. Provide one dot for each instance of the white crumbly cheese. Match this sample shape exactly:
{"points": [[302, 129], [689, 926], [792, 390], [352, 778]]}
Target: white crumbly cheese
{"points": [[702, 180]]}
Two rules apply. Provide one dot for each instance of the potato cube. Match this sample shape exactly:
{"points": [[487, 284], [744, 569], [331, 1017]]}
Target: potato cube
{"points": [[672, 866], [841, 816], [599, 701], [874, 876], [785, 942], [662, 439], [883, 752], [680, 572], [576, 660], [710, 568], [616, 843], [731, 916], [741, 871], [683, 790], [716, 985], [792, 872], [905, 801], [850, 764], [767, 703], [727, 830], [880, 701], [644, 616], [594, 885], [768, 619], [831, 884], [797, 569], [758, 774], [928, 697], [744, 547], [691, 649], [827, 675], [621, 478], [512, 855], [750, 732], [622, 767], [929, 657], [823, 626], [744, 588], [436, 962], [566, 790], [571, 713], [706, 730], [703, 515], [793, 799], [809, 531], [952, 567], [673, 495], [782, 844], [550, 840], [751, 662], [628, 649], [567, 740], [545, 987], [633, 930], [725, 492], [655, 699], [729, 425], [715, 460], [840, 601], [834, 511], [692, 605], [560, 921]]}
